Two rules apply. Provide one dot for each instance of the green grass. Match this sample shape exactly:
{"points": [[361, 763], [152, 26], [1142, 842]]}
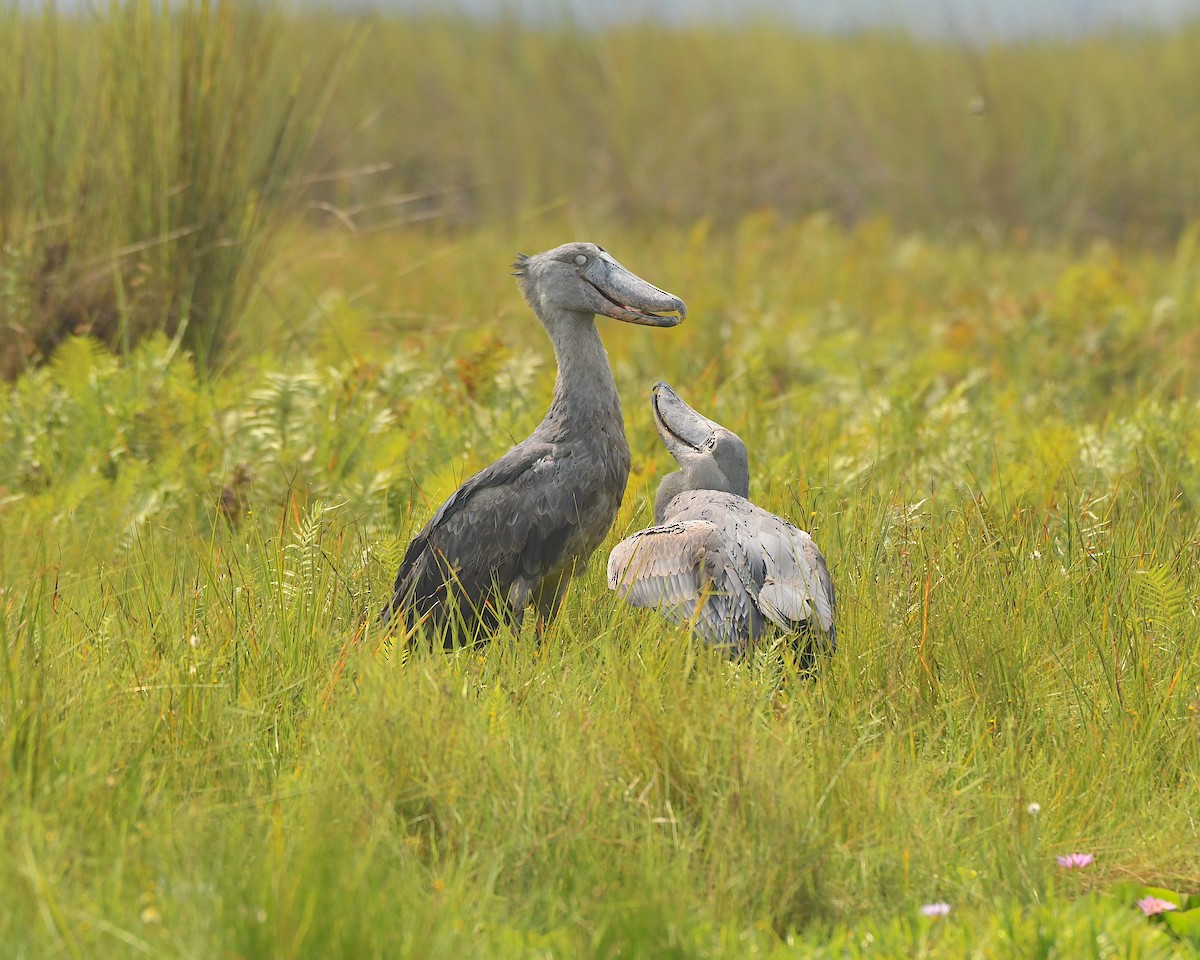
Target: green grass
{"points": [[645, 123], [149, 151], [991, 426], [202, 752]]}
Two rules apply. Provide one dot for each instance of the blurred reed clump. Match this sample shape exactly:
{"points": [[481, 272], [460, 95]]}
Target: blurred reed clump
{"points": [[147, 150]]}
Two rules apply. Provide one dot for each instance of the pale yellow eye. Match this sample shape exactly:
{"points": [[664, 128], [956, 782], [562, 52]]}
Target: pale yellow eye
{"points": [[580, 260]]}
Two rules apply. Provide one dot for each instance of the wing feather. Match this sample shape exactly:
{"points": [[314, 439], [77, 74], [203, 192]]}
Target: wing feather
{"points": [[660, 563], [728, 567], [512, 519], [682, 570], [796, 587]]}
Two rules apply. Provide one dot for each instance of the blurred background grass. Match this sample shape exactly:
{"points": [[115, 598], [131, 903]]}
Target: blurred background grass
{"points": [[1061, 138], [151, 157]]}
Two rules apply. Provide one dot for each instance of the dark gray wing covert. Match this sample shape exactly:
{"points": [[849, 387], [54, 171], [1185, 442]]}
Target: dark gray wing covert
{"points": [[512, 519]]}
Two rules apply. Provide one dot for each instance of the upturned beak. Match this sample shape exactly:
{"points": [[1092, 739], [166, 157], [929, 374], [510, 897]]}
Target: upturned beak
{"points": [[624, 295], [684, 431]]}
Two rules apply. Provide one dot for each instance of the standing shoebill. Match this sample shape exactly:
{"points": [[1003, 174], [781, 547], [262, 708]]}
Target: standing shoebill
{"points": [[514, 533], [713, 559]]}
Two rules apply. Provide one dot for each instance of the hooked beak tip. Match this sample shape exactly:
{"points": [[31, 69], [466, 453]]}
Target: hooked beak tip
{"points": [[677, 313]]}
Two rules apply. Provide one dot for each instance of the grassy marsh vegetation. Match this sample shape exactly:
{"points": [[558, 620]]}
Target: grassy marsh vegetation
{"points": [[147, 159], [997, 450], [994, 437], [149, 156], [1062, 139]]}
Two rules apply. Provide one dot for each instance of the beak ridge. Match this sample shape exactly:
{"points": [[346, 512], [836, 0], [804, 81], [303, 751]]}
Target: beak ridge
{"points": [[678, 424], [623, 295]]}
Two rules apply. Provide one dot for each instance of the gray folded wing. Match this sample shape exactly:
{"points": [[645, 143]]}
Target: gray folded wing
{"points": [[796, 588], [728, 573], [511, 520], [683, 569]]}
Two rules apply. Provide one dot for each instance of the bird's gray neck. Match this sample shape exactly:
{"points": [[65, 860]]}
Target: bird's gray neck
{"points": [[585, 394], [672, 485], [698, 474]]}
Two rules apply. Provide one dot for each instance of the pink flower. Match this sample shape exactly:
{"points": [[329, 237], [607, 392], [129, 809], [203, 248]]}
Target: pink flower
{"points": [[1074, 861], [1152, 905], [935, 909]]}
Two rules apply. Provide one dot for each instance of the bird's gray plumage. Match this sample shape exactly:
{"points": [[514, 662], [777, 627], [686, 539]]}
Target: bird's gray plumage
{"points": [[515, 532], [713, 559]]}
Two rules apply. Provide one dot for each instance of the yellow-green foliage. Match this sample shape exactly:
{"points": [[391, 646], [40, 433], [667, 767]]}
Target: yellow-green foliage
{"points": [[205, 750]]}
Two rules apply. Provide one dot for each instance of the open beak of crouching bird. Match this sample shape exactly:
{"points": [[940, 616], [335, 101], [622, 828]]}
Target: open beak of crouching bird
{"points": [[713, 559]]}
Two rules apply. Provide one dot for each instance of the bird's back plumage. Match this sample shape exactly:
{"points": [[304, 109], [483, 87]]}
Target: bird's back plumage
{"points": [[538, 510], [730, 568]]}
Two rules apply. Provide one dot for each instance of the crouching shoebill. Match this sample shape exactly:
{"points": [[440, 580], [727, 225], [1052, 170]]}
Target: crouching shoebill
{"points": [[513, 534], [713, 559]]}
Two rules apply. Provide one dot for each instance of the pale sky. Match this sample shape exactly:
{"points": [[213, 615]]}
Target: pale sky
{"points": [[975, 19]]}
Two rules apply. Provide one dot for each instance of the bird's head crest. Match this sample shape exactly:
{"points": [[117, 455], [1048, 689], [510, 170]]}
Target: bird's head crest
{"points": [[521, 266]]}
